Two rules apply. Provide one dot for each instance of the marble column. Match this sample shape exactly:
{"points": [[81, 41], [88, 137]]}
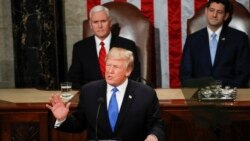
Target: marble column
{"points": [[39, 46], [75, 14], [6, 49]]}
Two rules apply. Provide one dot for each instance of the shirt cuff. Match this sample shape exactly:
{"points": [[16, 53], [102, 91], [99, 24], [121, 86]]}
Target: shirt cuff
{"points": [[58, 123]]}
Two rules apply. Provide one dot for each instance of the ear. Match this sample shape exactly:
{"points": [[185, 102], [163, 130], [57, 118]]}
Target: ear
{"points": [[226, 16], [205, 10], [129, 71], [110, 22], [90, 25]]}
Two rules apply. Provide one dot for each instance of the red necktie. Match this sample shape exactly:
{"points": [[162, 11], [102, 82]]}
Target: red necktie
{"points": [[102, 55]]}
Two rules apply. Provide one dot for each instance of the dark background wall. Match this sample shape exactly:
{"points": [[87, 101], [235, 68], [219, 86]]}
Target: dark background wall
{"points": [[39, 43]]}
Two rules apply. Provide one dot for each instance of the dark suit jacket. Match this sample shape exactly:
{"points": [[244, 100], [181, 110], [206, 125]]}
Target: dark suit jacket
{"points": [[139, 114], [232, 60], [85, 65]]}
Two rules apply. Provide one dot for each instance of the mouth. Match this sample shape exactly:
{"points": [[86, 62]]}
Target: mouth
{"points": [[108, 77], [213, 19], [100, 30]]}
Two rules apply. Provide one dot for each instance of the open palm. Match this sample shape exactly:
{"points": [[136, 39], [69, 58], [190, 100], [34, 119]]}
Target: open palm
{"points": [[59, 109]]}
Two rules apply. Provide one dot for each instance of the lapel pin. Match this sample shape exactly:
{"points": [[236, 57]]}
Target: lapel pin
{"points": [[223, 39], [130, 97]]}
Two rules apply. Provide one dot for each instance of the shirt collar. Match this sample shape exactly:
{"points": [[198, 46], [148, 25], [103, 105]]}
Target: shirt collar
{"points": [[106, 41], [217, 32], [121, 87]]}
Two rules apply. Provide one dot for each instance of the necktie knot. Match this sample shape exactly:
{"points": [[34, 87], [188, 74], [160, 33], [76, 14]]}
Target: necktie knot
{"points": [[114, 90], [102, 43], [213, 36]]}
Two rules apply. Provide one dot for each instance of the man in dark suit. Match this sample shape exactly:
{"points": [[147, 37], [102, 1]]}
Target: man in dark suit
{"points": [[85, 64], [137, 105], [217, 51]]}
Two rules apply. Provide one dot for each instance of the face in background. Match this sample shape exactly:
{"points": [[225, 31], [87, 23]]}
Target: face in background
{"points": [[117, 71], [100, 23], [216, 15]]}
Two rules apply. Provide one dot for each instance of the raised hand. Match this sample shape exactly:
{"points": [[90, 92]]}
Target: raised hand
{"points": [[59, 109]]}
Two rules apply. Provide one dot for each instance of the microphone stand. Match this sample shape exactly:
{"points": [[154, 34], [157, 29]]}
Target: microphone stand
{"points": [[144, 81], [100, 101]]}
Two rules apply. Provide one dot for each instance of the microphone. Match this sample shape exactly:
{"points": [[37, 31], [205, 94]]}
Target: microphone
{"points": [[145, 81], [100, 100]]}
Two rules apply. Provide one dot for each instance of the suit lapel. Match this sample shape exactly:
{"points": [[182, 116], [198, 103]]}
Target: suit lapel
{"points": [[103, 111], [95, 59], [93, 48], [221, 46], [207, 56], [126, 104]]}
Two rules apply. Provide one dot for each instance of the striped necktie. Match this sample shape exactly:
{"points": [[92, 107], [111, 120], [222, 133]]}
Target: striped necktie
{"points": [[102, 55]]}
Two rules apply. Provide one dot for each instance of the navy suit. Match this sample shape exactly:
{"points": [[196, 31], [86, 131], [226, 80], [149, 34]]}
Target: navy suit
{"points": [[232, 60], [85, 66], [139, 114]]}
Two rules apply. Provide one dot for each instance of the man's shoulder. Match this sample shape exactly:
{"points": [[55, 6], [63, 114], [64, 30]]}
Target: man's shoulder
{"points": [[141, 90], [94, 84], [140, 86], [234, 31], [84, 44], [199, 32], [121, 39], [85, 41], [122, 42]]}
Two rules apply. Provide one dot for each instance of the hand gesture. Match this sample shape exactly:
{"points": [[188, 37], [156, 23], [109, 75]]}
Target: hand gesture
{"points": [[59, 109]]}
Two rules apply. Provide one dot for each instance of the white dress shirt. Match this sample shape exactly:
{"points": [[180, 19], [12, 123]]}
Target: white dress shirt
{"points": [[119, 94], [217, 32], [106, 42]]}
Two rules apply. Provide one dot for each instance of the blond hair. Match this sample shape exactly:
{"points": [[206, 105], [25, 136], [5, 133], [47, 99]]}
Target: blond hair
{"points": [[121, 53]]}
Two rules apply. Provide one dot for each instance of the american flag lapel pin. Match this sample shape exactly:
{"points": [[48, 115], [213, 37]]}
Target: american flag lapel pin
{"points": [[223, 39]]}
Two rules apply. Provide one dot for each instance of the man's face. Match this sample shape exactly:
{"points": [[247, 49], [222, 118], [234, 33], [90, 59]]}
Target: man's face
{"points": [[100, 23], [216, 15], [116, 71]]}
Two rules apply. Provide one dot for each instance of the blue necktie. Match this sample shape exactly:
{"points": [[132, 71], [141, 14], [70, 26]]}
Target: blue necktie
{"points": [[213, 47], [113, 109]]}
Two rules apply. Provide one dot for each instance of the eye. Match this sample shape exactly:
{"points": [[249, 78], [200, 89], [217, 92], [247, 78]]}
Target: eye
{"points": [[211, 10], [94, 22], [103, 21], [220, 12]]}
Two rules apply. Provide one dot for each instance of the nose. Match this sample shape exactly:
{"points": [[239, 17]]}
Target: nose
{"points": [[109, 69], [214, 14], [99, 24]]}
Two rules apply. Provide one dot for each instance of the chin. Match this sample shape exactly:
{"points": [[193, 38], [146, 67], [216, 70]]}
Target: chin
{"points": [[109, 82]]}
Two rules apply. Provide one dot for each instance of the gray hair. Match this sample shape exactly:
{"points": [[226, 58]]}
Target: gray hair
{"points": [[98, 8], [121, 53]]}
